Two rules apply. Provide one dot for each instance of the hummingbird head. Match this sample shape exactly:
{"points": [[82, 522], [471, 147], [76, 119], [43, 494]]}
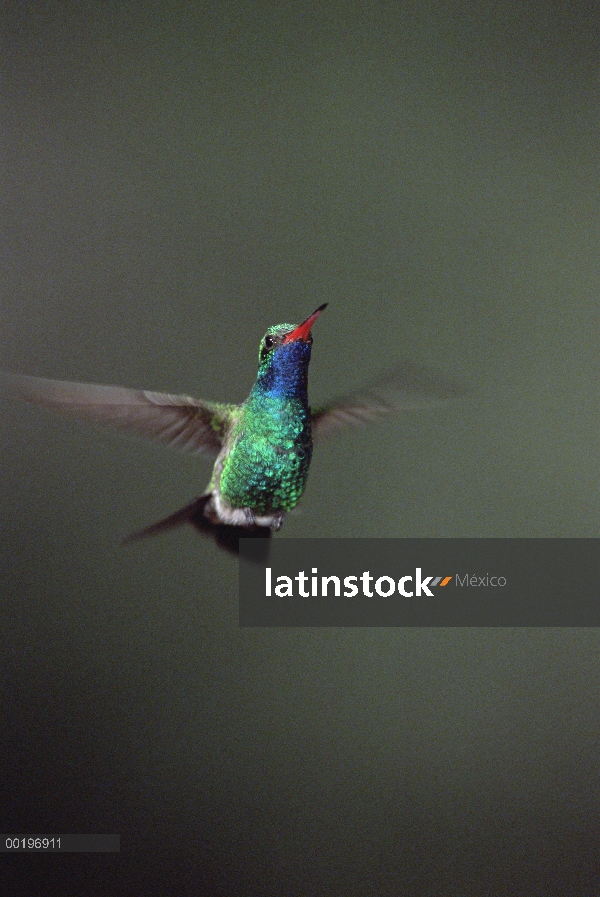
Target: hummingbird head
{"points": [[284, 355]]}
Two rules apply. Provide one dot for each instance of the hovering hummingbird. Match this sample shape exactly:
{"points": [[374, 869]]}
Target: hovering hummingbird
{"points": [[263, 446]]}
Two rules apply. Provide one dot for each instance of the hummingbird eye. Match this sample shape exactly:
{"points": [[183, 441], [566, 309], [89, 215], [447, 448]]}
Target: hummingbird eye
{"points": [[267, 344]]}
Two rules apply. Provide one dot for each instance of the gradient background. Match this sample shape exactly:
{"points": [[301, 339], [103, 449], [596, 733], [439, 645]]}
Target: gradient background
{"points": [[175, 178]]}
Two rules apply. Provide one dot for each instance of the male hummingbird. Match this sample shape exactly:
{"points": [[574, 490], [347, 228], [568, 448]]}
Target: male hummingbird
{"points": [[263, 446]]}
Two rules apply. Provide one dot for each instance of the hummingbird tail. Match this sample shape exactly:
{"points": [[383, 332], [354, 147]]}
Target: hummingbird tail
{"points": [[225, 535], [184, 515]]}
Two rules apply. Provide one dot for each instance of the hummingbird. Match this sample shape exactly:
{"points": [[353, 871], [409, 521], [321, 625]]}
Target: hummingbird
{"points": [[263, 447]]}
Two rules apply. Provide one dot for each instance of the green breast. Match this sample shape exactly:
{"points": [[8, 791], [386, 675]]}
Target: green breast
{"points": [[267, 466]]}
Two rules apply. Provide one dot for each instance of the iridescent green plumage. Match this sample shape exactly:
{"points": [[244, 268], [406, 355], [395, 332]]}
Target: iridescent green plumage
{"points": [[267, 466]]}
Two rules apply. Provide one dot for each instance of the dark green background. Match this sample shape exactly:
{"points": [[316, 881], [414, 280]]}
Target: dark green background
{"points": [[175, 178]]}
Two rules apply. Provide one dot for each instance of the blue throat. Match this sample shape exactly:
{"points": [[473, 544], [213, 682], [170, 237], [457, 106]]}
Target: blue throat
{"points": [[286, 375]]}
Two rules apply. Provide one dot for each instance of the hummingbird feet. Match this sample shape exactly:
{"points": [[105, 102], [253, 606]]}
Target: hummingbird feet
{"points": [[250, 519], [277, 521]]}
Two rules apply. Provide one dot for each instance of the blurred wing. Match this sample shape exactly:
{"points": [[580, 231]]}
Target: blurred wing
{"points": [[405, 387], [187, 424]]}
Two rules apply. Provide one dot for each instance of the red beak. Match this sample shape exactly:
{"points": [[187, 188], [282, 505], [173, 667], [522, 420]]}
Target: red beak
{"points": [[302, 331]]}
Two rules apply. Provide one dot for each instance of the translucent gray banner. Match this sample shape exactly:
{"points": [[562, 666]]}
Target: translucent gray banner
{"points": [[420, 582]]}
